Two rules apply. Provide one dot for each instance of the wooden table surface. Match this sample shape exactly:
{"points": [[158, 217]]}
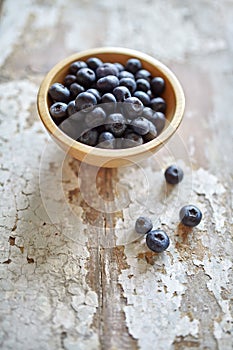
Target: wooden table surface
{"points": [[72, 275]]}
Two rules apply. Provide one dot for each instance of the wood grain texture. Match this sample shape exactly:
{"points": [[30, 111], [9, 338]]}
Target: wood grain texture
{"points": [[73, 273]]}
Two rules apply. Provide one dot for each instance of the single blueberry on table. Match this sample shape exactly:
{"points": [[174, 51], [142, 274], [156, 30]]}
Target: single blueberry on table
{"points": [[143, 225], [190, 215], [85, 77], [174, 174], [157, 241], [59, 93], [58, 110]]}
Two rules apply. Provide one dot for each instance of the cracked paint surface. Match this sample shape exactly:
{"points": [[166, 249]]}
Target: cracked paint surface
{"points": [[72, 277]]}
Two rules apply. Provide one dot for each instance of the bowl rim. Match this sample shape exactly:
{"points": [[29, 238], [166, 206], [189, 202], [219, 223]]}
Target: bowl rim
{"points": [[56, 132]]}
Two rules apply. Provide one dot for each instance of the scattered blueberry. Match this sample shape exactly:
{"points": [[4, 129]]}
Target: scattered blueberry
{"points": [[190, 215], [58, 110], [143, 225], [174, 174], [157, 241]]}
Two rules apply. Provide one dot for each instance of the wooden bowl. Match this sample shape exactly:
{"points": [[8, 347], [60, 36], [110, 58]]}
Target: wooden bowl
{"points": [[173, 95]]}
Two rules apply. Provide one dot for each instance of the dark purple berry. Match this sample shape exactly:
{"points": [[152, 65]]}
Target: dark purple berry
{"points": [[59, 92], [174, 174], [76, 89], [94, 62], [158, 104], [157, 85], [143, 85], [157, 241], [190, 215], [125, 74], [69, 79], [108, 83], [143, 225], [159, 121], [152, 133], [129, 83], [85, 100], [147, 113], [95, 117], [140, 125], [96, 93], [115, 123], [85, 77], [119, 66], [74, 126], [106, 69], [121, 93], [133, 65], [143, 97], [133, 107], [75, 66], [89, 137], [108, 98], [106, 140], [71, 108], [132, 139], [58, 110], [143, 74]]}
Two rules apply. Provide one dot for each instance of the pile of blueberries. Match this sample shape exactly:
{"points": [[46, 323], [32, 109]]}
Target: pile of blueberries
{"points": [[190, 215], [109, 105]]}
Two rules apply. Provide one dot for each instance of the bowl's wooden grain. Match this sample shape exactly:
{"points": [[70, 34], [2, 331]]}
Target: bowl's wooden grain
{"points": [[173, 95]]}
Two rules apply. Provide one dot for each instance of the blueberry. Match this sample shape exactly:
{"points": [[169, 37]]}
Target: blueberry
{"points": [[58, 110], [158, 104], [157, 118], [140, 125], [86, 77], [147, 113], [75, 66], [174, 174], [143, 225], [89, 137], [152, 133], [85, 100], [94, 62], [129, 83], [106, 69], [121, 93], [74, 126], [106, 140], [119, 66], [96, 93], [143, 85], [108, 98], [157, 85], [143, 74], [157, 241], [71, 108], [69, 79], [108, 83], [132, 139], [133, 65], [133, 107], [59, 92], [76, 89], [95, 117], [125, 74], [190, 215], [115, 123], [143, 97]]}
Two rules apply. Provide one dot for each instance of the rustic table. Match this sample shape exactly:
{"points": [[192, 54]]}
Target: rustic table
{"points": [[72, 275]]}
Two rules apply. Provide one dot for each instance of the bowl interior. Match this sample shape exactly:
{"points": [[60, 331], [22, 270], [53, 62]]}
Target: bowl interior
{"points": [[173, 96]]}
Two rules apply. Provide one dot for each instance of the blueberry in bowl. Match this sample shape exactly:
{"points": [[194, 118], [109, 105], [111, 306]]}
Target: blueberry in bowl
{"points": [[122, 99]]}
